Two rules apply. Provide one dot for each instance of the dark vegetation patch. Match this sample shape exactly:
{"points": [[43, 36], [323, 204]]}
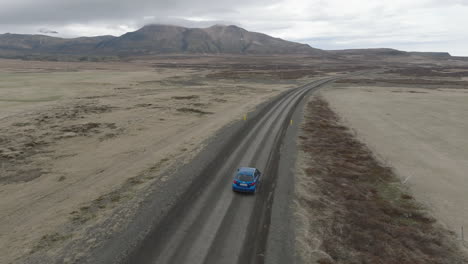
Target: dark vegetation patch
{"points": [[108, 136], [188, 97], [19, 175], [85, 129], [184, 82], [50, 240], [418, 81], [19, 146], [122, 88], [82, 129], [231, 66], [418, 92], [94, 97], [73, 112], [14, 154], [220, 100], [193, 110], [429, 72], [177, 81], [143, 105], [199, 104], [21, 124], [61, 57], [266, 65], [362, 211], [277, 74]]}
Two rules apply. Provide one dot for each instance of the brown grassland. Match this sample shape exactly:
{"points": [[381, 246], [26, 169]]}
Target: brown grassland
{"points": [[361, 213]]}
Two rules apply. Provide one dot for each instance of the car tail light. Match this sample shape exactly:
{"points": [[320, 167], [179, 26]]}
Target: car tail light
{"points": [[235, 182], [252, 184]]}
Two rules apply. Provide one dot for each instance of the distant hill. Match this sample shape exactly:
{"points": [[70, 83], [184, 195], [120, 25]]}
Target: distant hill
{"points": [[387, 53], [431, 54], [370, 52], [157, 39], [44, 44]]}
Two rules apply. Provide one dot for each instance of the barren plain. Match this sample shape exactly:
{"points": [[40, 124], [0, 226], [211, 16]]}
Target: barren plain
{"points": [[419, 130], [82, 145], [81, 141]]}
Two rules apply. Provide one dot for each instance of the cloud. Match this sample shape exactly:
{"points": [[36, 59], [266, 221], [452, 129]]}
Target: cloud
{"points": [[47, 31], [328, 24], [50, 11]]}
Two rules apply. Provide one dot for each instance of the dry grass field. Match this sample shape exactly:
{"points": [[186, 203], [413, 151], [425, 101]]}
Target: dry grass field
{"points": [[82, 140], [382, 173], [419, 130], [351, 208]]}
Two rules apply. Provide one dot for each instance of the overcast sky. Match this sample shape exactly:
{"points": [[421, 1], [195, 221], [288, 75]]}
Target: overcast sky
{"points": [[413, 25]]}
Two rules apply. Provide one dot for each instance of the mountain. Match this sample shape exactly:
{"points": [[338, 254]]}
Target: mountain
{"points": [[157, 39], [44, 44]]}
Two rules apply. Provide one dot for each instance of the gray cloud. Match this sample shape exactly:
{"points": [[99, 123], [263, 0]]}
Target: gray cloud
{"points": [[49, 11], [47, 31]]}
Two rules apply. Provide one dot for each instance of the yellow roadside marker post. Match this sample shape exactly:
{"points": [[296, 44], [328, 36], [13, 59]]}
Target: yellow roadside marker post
{"points": [[291, 122], [245, 117]]}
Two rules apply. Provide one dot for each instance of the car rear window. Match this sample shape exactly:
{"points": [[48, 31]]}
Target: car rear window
{"points": [[243, 177]]}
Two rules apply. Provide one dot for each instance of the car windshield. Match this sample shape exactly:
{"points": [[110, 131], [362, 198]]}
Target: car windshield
{"points": [[243, 177]]}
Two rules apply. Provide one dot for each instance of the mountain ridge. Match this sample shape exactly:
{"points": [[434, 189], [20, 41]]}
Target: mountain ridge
{"points": [[158, 39]]}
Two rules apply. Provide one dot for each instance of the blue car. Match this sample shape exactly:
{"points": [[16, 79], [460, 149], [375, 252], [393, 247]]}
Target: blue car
{"points": [[246, 180]]}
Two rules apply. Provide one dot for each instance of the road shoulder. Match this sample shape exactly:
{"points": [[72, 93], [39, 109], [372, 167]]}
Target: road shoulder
{"points": [[281, 238]]}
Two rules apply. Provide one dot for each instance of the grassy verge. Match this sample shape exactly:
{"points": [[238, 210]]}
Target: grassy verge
{"points": [[359, 211], [36, 100]]}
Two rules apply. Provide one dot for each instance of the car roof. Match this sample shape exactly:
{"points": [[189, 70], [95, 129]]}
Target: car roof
{"points": [[246, 170]]}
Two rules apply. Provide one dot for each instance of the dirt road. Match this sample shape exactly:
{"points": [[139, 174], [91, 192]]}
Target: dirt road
{"points": [[210, 223]]}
